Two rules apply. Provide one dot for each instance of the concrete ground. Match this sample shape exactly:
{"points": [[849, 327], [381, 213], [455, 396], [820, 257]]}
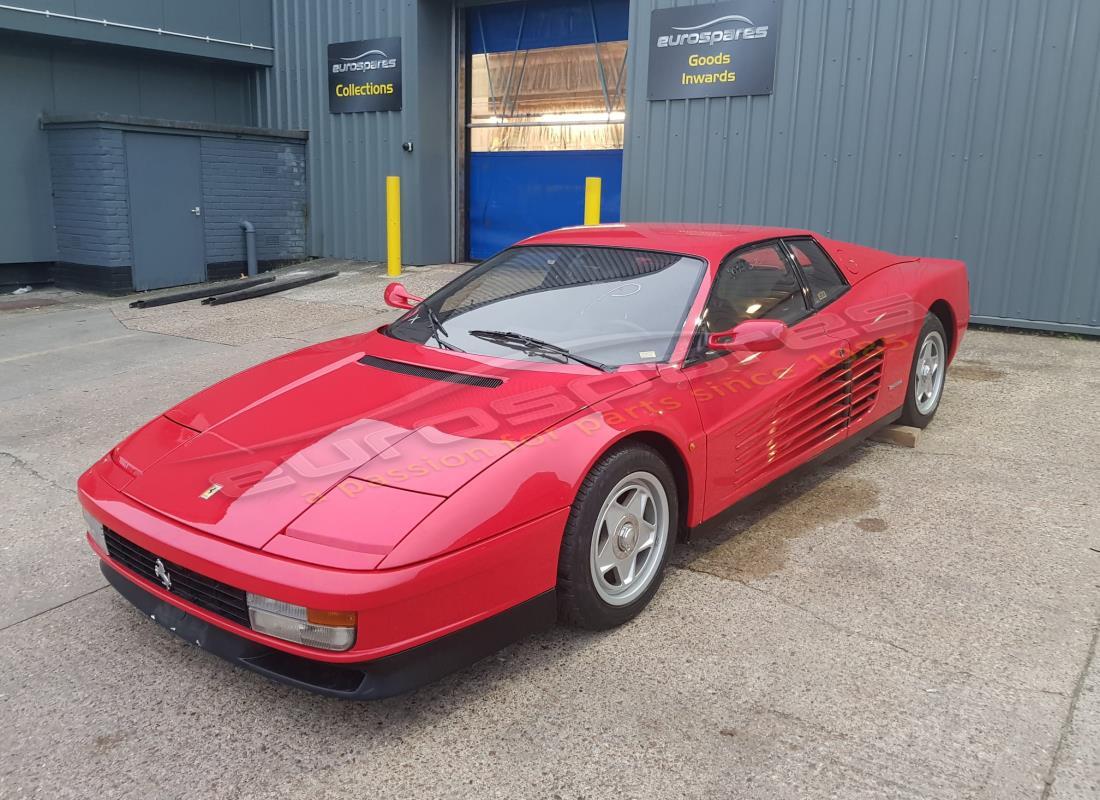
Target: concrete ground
{"points": [[896, 624]]}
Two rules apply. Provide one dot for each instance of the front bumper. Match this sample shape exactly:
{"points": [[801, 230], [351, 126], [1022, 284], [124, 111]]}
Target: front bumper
{"points": [[365, 680], [399, 609]]}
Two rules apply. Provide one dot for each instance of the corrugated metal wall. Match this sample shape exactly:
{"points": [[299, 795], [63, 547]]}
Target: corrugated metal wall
{"points": [[350, 155], [953, 128]]}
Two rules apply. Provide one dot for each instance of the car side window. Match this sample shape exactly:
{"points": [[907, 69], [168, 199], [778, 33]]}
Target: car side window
{"points": [[822, 277], [758, 283]]}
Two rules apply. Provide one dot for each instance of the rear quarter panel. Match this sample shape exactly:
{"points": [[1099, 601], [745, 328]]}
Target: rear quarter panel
{"points": [[890, 305], [880, 277], [933, 280]]}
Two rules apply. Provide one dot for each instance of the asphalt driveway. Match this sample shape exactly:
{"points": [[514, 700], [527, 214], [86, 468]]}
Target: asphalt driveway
{"points": [[899, 623]]}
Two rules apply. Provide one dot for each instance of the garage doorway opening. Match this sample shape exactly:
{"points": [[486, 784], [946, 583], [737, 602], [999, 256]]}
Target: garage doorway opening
{"points": [[546, 88]]}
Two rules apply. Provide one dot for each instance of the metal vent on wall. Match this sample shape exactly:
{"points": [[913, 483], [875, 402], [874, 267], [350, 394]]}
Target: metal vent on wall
{"points": [[430, 373]]}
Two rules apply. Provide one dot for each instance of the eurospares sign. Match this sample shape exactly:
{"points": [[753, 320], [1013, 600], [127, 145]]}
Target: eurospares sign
{"points": [[717, 50], [364, 75]]}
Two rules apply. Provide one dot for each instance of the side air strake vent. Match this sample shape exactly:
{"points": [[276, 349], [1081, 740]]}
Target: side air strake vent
{"points": [[813, 414], [428, 373], [866, 377]]}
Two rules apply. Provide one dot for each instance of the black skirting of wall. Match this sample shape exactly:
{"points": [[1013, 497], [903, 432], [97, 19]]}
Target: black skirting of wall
{"points": [[28, 273], [114, 280], [105, 280]]}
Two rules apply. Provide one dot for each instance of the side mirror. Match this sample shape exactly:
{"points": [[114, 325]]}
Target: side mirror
{"points": [[396, 296], [753, 335]]}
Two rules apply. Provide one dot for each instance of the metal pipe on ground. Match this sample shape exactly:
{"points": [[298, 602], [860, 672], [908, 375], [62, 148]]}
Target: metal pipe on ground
{"points": [[195, 294], [260, 291]]}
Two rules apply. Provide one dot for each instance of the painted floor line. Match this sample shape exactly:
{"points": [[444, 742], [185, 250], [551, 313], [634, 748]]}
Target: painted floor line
{"points": [[37, 353]]}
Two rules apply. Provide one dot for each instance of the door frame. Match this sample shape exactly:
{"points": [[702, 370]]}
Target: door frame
{"points": [[460, 116], [691, 358], [842, 349], [460, 150]]}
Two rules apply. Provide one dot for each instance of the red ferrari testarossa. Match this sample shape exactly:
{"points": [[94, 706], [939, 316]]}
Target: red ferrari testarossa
{"points": [[526, 445]]}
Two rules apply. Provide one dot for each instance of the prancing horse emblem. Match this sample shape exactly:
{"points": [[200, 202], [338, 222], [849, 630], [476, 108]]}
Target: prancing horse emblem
{"points": [[213, 490], [161, 572]]}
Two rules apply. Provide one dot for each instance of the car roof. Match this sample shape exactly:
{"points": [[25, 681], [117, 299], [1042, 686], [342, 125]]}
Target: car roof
{"points": [[711, 242]]}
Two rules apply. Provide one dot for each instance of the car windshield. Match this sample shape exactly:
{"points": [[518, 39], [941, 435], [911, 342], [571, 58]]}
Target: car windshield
{"points": [[607, 305]]}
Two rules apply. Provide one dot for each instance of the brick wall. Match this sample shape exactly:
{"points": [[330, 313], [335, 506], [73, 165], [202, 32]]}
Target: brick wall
{"points": [[243, 178], [90, 197], [261, 181]]}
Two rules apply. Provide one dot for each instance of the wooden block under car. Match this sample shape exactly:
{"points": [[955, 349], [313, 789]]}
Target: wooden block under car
{"points": [[901, 435]]}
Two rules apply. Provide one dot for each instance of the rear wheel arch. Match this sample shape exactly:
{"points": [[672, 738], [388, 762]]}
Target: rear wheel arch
{"points": [[924, 389], [946, 315]]}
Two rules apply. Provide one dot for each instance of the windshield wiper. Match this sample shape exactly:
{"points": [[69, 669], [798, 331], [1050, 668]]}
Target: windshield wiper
{"points": [[533, 346], [437, 329]]}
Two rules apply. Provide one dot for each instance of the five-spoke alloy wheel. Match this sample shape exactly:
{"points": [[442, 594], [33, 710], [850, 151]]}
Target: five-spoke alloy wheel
{"points": [[927, 375], [629, 538], [618, 538]]}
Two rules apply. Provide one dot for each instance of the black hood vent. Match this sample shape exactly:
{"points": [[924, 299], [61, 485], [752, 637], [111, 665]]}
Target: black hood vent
{"points": [[428, 373]]}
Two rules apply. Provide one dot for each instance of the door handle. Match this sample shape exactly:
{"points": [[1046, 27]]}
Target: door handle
{"points": [[196, 211]]}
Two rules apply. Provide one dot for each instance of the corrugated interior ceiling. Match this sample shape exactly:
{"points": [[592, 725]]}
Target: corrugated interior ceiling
{"points": [[952, 128]]}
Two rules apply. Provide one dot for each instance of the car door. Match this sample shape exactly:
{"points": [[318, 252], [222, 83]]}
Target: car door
{"points": [[828, 294], [764, 412]]}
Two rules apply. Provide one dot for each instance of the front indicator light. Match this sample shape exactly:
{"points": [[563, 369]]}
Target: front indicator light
{"points": [[327, 630], [95, 528], [332, 619]]}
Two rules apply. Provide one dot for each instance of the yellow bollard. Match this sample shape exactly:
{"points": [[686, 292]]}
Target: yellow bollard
{"points": [[393, 226], [592, 188]]}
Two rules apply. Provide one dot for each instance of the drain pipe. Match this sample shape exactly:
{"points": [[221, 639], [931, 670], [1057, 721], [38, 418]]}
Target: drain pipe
{"points": [[250, 245]]}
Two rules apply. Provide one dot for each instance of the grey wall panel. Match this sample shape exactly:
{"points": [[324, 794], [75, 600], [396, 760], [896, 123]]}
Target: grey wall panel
{"points": [[200, 16], [238, 30], [135, 12], [955, 128], [350, 155], [173, 91], [44, 76], [26, 211], [92, 78], [256, 21], [84, 79], [233, 102]]}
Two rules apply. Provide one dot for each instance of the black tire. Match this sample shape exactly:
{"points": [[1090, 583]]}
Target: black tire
{"points": [[911, 413], [579, 600]]}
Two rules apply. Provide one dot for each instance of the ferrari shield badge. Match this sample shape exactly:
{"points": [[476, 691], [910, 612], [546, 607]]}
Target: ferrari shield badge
{"points": [[213, 490]]}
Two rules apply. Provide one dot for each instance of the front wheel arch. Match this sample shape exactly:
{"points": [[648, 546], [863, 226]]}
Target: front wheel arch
{"points": [[674, 458], [581, 568]]}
